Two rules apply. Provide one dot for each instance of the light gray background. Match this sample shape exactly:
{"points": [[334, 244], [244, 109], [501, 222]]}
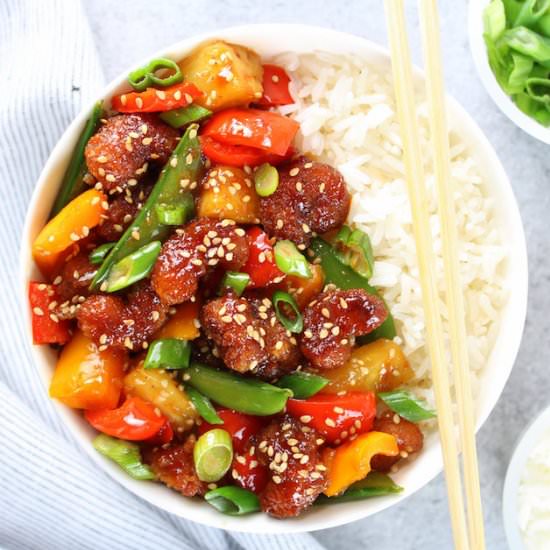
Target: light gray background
{"points": [[128, 30]]}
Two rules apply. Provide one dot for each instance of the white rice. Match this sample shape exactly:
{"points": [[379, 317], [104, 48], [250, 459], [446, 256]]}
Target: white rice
{"points": [[534, 497], [347, 115]]}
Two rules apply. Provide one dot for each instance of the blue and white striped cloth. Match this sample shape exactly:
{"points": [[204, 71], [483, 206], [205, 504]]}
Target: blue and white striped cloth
{"points": [[51, 495]]}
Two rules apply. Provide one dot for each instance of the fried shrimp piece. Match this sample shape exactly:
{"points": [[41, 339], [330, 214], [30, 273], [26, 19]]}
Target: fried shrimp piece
{"points": [[188, 254], [122, 322], [174, 467], [249, 337], [121, 149], [311, 197], [409, 439], [332, 321], [290, 450]]}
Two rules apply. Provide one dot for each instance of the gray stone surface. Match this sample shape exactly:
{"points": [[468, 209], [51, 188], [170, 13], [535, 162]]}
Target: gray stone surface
{"points": [[128, 30]]}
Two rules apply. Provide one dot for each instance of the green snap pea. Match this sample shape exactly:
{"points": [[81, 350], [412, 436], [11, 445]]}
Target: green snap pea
{"points": [[203, 405], [98, 254], [246, 395], [168, 353], [178, 118], [233, 501], [303, 384], [185, 164], [73, 180]]}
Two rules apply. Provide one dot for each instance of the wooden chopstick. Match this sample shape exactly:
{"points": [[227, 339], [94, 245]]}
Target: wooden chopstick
{"points": [[404, 91], [429, 22]]}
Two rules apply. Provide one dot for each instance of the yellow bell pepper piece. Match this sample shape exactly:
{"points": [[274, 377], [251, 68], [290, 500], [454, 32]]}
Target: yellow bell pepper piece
{"points": [[350, 462], [183, 325]]}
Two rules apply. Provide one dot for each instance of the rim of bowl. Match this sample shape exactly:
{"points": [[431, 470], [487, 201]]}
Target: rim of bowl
{"points": [[498, 95], [525, 444], [502, 357]]}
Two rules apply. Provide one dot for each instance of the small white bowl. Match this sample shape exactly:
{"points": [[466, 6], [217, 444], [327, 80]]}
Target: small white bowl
{"points": [[267, 41], [526, 444], [498, 95]]}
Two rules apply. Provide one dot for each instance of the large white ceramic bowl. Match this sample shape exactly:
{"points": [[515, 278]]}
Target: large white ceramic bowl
{"points": [[269, 40], [526, 444], [498, 95]]}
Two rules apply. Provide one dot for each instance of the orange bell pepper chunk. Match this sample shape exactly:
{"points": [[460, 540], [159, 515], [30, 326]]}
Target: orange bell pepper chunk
{"points": [[87, 378], [183, 324], [350, 462], [304, 290], [69, 226]]}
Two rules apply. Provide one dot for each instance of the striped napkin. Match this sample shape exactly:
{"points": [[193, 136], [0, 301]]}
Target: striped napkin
{"points": [[51, 494]]}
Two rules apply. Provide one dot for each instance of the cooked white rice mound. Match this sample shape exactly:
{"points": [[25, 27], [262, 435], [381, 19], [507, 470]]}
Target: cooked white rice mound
{"points": [[347, 115]]}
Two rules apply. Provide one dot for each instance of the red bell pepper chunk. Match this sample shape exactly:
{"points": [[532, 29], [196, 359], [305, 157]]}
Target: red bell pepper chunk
{"points": [[260, 266], [164, 435], [249, 473], [135, 420], [155, 101], [275, 84], [265, 130], [336, 417], [45, 328], [240, 426], [238, 155]]}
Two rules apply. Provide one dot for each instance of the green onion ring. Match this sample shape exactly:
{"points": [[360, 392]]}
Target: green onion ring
{"points": [[294, 325], [145, 77]]}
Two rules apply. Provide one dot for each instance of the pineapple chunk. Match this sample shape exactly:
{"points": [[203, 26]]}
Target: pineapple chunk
{"points": [[159, 388], [228, 74], [228, 192], [379, 366]]}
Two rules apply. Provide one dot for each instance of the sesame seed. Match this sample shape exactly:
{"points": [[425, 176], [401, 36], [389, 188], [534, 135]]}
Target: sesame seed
{"points": [[325, 312], [304, 459], [160, 94], [38, 311], [189, 158], [139, 103], [338, 410], [276, 479], [323, 333], [329, 422], [335, 331], [305, 418], [279, 224], [299, 186], [294, 172], [315, 475], [147, 141], [136, 235]]}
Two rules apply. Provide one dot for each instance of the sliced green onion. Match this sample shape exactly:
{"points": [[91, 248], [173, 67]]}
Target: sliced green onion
{"points": [[303, 384], [374, 485], [407, 405], [527, 42], [295, 324], [266, 180], [494, 19], [531, 11], [235, 280], [539, 90], [178, 118], [290, 261], [233, 501], [168, 353], [203, 405], [98, 254], [125, 454], [355, 249], [145, 76], [213, 454], [73, 182], [521, 70], [176, 212], [133, 268]]}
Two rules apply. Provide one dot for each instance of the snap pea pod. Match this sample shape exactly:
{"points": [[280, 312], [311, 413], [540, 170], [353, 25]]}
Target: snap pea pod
{"points": [[246, 395], [345, 277], [168, 353], [374, 485], [303, 384], [178, 118], [184, 164], [203, 405], [233, 501], [73, 182], [97, 255]]}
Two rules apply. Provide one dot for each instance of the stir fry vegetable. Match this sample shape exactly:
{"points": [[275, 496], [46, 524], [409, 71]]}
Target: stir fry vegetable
{"points": [[213, 453], [183, 324], [517, 36], [235, 281], [261, 266], [266, 180], [275, 84], [290, 261], [125, 454], [407, 405], [134, 420], [168, 353], [145, 76], [185, 164], [241, 394], [375, 484], [97, 255], [154, 101], [233, 501], [303, 384], [294, 322], [73, 180], [355, 249], [183, 116], [46, 327], [204, 406]]}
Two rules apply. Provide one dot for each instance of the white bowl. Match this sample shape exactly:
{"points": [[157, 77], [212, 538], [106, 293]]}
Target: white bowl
{"points": [[266, 39], [526, 444], [498, 95]]}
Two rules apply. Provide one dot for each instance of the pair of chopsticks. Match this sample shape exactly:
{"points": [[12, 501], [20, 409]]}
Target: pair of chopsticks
{"points": [[467, 525]]}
